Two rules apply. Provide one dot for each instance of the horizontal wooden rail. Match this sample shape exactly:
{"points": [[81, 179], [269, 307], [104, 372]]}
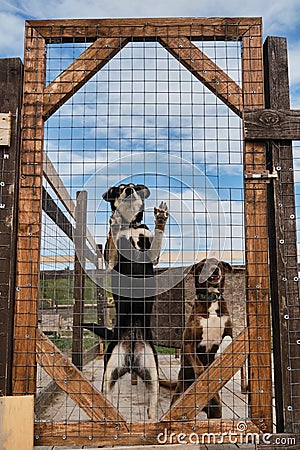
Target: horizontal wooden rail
{"points": [[272, 124]]}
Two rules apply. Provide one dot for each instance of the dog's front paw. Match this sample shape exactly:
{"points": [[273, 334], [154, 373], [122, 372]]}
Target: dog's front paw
{"points": [[161, 214]]}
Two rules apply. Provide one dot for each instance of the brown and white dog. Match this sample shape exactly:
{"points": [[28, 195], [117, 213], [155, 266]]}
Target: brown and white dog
{"points": [[131, 251], [208, 330]]}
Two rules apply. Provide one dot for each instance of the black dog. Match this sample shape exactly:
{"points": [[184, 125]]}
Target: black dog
{"points": [[130, 253]]}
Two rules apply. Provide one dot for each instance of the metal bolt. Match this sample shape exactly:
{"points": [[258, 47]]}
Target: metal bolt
{"points": [[192, 60], [278, 168], [298, 341], [117, 427], [183, 417], [51, 353], [280, 205], [289, 368], [292, 216], [18, 288], [281, 241], [259, 338], [64, 437], [253, 92], [180, 45], [257, 286], [250, 37], [90, 438], [36, 437], [261, 391], [116, 437], [286, 316], [296, 279], [290, 408], [284, 279], [203, 71], [194, 428], [143, 437]]}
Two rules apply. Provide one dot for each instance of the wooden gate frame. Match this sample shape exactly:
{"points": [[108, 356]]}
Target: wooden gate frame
{"points": [[39, 103]]}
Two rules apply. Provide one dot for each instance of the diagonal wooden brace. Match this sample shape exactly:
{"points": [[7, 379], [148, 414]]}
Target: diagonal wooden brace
{"points": [[205, 70], [197, 396], [79, 72], [74, 383]]}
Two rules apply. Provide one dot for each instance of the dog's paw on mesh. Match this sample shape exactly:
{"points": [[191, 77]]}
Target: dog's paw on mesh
{"points": [[161, 214]]}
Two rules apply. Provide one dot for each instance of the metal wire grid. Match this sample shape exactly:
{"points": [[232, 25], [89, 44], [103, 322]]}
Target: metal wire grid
{"points": [[144, 106]]}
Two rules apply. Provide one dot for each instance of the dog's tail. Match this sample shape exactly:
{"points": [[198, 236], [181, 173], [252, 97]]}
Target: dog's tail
{"points": [[167, 384]]}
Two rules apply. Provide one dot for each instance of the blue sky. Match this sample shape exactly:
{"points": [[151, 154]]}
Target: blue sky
{"points": [[223, 167]]}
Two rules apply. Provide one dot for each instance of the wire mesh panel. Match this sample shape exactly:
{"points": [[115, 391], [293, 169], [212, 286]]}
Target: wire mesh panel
{"points": [[153, 270]]}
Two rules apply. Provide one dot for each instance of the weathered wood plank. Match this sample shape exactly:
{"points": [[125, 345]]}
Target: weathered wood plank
{"points": [[272, 124], [16, 424], [196, 397], [141, 433], [63, 194], [29, 216], [283, 248], [205, 70], [56, 214], [11, 81], [79, 278], [256, 245], [79, 72], [74, 383], [197, 28]]}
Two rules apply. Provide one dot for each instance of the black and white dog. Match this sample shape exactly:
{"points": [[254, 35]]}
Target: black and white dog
{"points": [[130, 253]]}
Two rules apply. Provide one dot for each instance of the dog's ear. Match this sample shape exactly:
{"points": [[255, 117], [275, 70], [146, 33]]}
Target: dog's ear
{"points": [[111, 194], [142, 190], [227, 267]]}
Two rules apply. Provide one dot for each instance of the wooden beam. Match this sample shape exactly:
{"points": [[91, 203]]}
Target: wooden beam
{"points": [[79, 72], [29, 216], [256, 245], [201, 28], [141, 433], [53, 211], [79, 278], [272, 124], [64, 196], [205, 70], [197, 396], [16, 424], [11, 83], [283, 248], [75, 384]]}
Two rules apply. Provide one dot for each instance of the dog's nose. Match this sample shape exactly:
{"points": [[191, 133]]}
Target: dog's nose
{"points": [[128, 191]]}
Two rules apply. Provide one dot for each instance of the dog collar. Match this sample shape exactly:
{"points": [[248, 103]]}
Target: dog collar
{"points": [[209, 296]]}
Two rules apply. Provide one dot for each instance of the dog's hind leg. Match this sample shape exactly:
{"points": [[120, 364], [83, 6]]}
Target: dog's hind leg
{"points": [[146, 367], [116, 366]]}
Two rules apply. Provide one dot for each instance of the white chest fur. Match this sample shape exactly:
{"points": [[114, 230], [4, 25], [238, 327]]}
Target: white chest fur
{"points": [[213, 327]]}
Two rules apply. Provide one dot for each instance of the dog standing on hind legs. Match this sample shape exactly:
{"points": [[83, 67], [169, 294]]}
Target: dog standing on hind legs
{"points": [[131, 252], [208, 330]]}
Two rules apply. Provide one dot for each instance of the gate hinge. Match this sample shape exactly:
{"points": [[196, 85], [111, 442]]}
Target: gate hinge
{"points": [[260, 176]]}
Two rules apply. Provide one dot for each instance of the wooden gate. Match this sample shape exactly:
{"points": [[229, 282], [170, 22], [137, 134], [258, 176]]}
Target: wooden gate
{"points": [[44, 93]]}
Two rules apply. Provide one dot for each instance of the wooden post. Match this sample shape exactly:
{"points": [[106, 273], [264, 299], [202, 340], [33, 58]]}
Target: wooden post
{"points": [[29, 215], [79, 278], [11, 81], [256, 244], [283, 248]]}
